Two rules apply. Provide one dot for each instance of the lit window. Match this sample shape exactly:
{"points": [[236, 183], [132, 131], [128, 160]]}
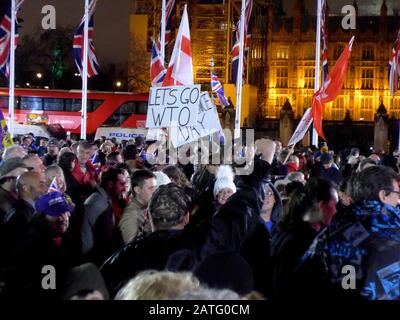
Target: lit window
{"points": [[367, 109], [338, 109], [282, 53], [282, 78], [368, 53], [367, 79], [309, 75]]}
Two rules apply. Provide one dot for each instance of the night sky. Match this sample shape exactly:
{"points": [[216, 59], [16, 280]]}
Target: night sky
{"points": [[112, 20], [111, 33]]}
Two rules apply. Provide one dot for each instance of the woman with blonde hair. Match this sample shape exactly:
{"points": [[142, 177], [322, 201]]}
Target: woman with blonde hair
{"points": [[158, 285]]}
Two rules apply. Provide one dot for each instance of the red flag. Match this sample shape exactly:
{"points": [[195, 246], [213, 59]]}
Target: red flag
{"points": [[331, 88]]}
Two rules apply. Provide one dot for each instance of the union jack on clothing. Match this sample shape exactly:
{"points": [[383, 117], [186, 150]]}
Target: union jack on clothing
{"points": [[323, 42], [394, 66], [157, 69], [5, 35], [78, 44], [217, 88]]}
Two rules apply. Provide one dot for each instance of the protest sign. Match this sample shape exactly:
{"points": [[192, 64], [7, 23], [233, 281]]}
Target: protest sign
{"points": [[206, 124], [173, 106]]}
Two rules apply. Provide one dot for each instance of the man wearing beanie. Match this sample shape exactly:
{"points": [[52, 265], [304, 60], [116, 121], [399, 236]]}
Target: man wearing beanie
{"points": [[328, 171]]}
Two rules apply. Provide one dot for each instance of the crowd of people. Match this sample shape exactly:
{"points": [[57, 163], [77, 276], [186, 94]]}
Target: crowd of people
{"points": [[305, 223]]}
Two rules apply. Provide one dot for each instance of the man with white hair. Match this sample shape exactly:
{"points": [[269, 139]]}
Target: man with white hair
{"points": [[14, 151]]}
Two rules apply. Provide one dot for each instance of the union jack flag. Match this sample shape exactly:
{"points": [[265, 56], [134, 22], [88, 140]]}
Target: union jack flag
{"points": [[394, 66], [94, 159], [78, 44], [157, 69], [54, 186], [5, 35], [169, 20], [236, 41], [217, 88], [323, 42]]}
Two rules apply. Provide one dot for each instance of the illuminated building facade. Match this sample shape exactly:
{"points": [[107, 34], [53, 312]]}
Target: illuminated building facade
{"points": [[281, 64], [291, 67]]}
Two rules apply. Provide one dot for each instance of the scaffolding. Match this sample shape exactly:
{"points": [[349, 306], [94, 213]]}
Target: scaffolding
{"points": [[209, 37]]}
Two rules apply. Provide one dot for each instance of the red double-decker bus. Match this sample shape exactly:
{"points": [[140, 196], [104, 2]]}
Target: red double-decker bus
{"points": [[114, 109]]}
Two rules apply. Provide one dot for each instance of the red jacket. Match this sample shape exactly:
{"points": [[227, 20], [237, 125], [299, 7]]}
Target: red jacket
{"points": [[85, 178]]}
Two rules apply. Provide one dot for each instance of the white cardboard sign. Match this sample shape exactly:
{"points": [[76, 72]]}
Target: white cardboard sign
{"points": [[206, 124], [173, 106]]}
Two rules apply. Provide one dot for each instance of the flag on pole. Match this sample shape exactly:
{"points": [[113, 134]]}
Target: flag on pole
{"points": [[78, 43], [5, 36], [394, 66], [323, 42], [169, 18], [157, 69], [180, 68], [236, 41], [302, 127], [5, 137], [217, 88], [95, 161], [330, 88], [54, 186]]}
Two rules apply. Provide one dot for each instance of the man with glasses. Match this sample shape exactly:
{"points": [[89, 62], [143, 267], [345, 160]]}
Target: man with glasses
{"points": [[359, 255]]}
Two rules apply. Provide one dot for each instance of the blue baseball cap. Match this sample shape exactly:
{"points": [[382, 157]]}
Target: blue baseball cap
{"points": [[53, 204]]}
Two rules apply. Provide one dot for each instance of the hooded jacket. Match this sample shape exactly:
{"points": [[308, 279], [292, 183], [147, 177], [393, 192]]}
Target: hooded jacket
{"points": [[365, 245]]}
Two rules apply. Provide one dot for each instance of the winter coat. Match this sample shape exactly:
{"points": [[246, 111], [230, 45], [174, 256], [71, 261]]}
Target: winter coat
{"points": [[364, 247], [175, 250], [288, 245]]}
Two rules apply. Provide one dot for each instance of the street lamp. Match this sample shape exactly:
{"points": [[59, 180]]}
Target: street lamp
{"points": [[118, 84], [27, 84], [39, 75]]}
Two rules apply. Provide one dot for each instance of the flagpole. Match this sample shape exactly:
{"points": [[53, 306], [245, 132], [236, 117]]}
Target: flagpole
{"points": [[11, 94], [84, 71], [211, 70], [239, 79], [314, 135], [163, 27], [228, 42]]}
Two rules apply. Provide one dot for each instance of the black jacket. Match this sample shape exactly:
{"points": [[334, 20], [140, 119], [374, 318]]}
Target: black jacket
{"points": [[33, 246], [238, 227], [287, 247], [175, 250], [235, 221]]}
